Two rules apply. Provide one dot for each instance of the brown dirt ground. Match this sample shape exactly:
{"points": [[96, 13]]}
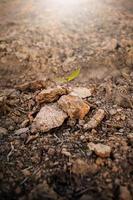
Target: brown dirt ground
{"points": [[47, 40]]}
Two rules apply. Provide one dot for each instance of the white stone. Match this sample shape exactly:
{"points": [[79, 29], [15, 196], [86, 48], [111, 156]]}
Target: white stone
{"points": [[81, 92]]}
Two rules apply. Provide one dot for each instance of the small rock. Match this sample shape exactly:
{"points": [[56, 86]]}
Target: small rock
{"points": [[50, 95], [126, 43], [71, 122], [3, 46], [125, 193], [112, 111], [3, 98], [122, 97], [79, 167], [130, 138], [74, 106], [96, 120], [112, 45], [51, 151], [81, 92], [130, 123], [91, 146], [11, 128], [22, 131], [129, 58], [100, 150], [99, 161], [21, 56], [49, 117], [23, 136], [26, 172], [3, 132], [123, 100], [81, 122], [65, 152], [32, 86], [121, 130], [82, 138]]}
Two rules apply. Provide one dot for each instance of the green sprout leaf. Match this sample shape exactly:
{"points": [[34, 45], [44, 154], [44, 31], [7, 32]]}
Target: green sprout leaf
{"points": [[73, 75]]}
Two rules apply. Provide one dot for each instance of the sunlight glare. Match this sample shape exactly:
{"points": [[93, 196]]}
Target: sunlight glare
{"points": [[66, 3]]}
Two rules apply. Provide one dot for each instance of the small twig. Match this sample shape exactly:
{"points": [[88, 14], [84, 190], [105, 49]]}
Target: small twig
{"points": [[11, 152], [25, 179], [21, 110], [61, 141], [82, 151], [34, 173], [57, 137], [31, 138], [82, 192]]}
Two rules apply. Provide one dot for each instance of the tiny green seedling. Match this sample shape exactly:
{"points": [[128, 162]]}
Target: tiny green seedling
{"points": [[71, 77]]}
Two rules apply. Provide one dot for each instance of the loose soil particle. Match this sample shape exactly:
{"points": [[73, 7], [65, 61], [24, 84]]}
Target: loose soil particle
{"points": [[3, 132], [100, 149]]}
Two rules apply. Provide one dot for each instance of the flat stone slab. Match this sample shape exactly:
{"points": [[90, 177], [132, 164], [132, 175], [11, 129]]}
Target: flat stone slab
{"points": [[49, 117]]}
